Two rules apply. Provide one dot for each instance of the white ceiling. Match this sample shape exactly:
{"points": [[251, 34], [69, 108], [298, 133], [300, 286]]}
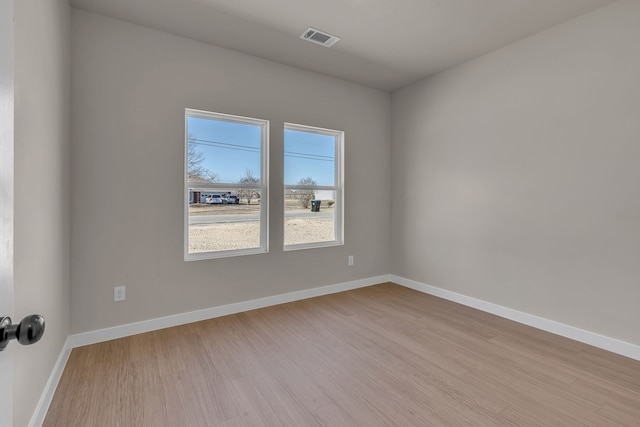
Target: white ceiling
{"points": [[385, 44]]}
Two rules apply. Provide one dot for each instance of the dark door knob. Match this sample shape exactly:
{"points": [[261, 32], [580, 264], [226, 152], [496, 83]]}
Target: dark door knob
{"points": [[28, 331]]}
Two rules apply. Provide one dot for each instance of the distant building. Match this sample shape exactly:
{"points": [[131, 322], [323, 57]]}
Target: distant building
{"points": [[194, 182], [318, 194], [199, 191]]}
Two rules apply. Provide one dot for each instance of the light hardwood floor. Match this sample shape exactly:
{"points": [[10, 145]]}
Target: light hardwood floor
{"points": [[378, 356]]}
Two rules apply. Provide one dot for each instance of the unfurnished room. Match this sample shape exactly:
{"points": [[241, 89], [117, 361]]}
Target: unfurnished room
{"points": [[342, 213]]}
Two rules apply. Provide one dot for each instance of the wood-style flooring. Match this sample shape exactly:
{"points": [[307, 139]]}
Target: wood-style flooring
{"points": [[378, 356]]}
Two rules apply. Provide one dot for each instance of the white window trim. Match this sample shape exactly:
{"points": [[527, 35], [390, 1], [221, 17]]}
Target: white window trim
{"points": [[263, 187], [338, 188]]}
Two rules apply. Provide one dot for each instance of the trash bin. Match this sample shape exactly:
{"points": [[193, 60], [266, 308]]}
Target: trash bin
{"points": [[315, 206]]}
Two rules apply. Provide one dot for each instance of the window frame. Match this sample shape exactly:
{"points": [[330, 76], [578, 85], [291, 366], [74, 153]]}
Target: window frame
{"points": [[338, 187], [263, 187]]}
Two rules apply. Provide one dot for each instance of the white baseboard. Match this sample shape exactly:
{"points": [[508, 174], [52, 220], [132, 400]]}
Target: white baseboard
{"points": [[50, 388], [606, 343], [122, 331]]}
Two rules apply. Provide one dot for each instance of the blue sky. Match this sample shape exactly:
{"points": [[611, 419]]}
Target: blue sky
{"points": [[309, 154], [230, 149]]}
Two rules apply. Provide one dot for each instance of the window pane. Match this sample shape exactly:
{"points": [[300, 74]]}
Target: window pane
{"points": [[226, 151], [226, 164], [309, 158], [223, 219], [305, 223]]}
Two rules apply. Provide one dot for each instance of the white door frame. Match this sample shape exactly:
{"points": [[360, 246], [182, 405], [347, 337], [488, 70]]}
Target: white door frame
{"points": [[6, 199]]}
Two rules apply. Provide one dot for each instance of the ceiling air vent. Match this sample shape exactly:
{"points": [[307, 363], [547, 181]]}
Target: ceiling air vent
{"points": [[319, 37]]}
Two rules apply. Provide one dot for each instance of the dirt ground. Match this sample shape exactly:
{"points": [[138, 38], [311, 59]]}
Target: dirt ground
{"points": [[245, 235]]}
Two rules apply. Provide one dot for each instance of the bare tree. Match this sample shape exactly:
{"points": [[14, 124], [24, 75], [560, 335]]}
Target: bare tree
{"points": [[307, 195], [195, 159], [211, 176], [249, 193]]}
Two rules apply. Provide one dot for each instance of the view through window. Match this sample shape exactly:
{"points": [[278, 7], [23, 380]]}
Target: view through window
{"points": [[225, 185], [313, 178]]}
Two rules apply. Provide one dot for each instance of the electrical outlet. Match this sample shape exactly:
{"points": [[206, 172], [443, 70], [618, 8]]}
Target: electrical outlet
{"points": [[119, 293], [350, 260]]}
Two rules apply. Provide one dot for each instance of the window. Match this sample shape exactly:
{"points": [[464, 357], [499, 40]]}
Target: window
{"points": [[226, 199], [313, 187]]}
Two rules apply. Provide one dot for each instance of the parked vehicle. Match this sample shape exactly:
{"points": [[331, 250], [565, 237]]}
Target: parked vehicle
{"points": [[216, 199], [233, 200]]}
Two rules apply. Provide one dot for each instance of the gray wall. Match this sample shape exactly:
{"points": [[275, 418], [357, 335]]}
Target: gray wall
{"points": [[515, 176], [41, 229], [129, 89]]}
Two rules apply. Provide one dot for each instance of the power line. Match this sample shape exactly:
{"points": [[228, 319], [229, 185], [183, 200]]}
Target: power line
{"points": [[309, 154], [308, 158], [238, 147], [224, 145]]}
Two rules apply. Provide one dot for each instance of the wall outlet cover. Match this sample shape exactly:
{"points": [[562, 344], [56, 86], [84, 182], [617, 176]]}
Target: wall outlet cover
{"points": [[119, 293]]}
